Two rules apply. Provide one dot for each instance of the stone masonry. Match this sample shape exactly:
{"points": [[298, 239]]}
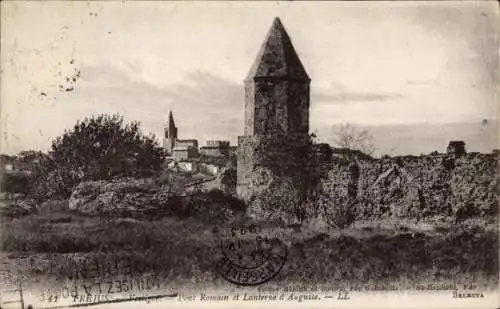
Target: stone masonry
{"points": [[276, 100]]}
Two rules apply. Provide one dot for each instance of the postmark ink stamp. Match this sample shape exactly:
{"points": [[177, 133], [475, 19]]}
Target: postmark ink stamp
{"points": [[248, 258]]}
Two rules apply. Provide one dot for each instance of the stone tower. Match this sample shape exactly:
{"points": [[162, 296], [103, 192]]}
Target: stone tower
{"points": [[276, 99], [170, 134]]}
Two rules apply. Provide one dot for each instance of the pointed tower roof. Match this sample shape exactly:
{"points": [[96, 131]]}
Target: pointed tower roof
{"points": [[277, 57], [171, 122]]}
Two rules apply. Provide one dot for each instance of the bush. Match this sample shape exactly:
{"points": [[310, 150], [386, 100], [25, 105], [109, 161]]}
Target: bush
{"points": [[15, 183], [98, 148], [213, 206], [18, 207]]}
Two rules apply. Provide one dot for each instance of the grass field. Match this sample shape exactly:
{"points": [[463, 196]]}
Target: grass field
{"points": [[57, 245]]}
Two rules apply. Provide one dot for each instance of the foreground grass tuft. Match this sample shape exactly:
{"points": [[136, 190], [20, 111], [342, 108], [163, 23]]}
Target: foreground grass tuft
{"points": [[182, 251]]}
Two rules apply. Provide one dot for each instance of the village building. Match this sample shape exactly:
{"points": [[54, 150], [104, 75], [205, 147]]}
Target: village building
{"points": [[188, 166], [177, 148], [215, 148]]}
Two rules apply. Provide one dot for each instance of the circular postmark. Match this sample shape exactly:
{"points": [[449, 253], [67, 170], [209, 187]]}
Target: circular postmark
{"points": [[247, 257]]}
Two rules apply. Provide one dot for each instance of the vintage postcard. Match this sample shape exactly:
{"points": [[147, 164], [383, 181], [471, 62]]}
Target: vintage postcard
{"points": [[249, 154]]}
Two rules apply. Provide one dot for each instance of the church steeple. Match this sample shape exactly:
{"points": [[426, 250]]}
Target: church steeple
{"points": [[172, 129], [170, 134], [277, 57]]}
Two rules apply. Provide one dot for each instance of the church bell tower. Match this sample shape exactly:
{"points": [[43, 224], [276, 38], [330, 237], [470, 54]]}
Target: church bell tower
{"points": [[170, 135]]}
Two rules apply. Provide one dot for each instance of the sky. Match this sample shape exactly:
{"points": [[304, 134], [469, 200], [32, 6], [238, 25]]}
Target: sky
{"points": [[415, 74]]}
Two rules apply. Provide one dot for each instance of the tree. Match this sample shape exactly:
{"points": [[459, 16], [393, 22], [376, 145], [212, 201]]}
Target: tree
{"points": [[99, 148], [347, 135]]}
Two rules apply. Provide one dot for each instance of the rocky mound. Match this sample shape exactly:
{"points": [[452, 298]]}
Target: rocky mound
{"points": [[118, 197], [145, 198]]}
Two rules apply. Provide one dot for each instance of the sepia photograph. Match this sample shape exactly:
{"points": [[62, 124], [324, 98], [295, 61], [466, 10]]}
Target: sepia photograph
{"points": [[239, 154]]}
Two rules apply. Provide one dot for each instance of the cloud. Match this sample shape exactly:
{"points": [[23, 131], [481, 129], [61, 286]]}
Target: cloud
{"points": [[200, 89], [204, 105], [345, 97]]}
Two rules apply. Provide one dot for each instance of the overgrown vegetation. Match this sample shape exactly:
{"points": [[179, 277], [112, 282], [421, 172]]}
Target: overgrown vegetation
{"points": [[99, 147], [183, 250], [287, 176], [213, 207], [464, 252], [15, 183]]}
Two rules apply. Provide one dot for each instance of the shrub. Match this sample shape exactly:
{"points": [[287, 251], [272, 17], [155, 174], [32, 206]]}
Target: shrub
{"points": [[15, 183], [213, 206], [98, 148], [18, 207], [166, 205]]}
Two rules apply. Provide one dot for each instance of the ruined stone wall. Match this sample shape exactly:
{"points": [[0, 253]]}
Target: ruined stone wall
{"points": [[417, 186], [245, 165], [273, 155]]}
